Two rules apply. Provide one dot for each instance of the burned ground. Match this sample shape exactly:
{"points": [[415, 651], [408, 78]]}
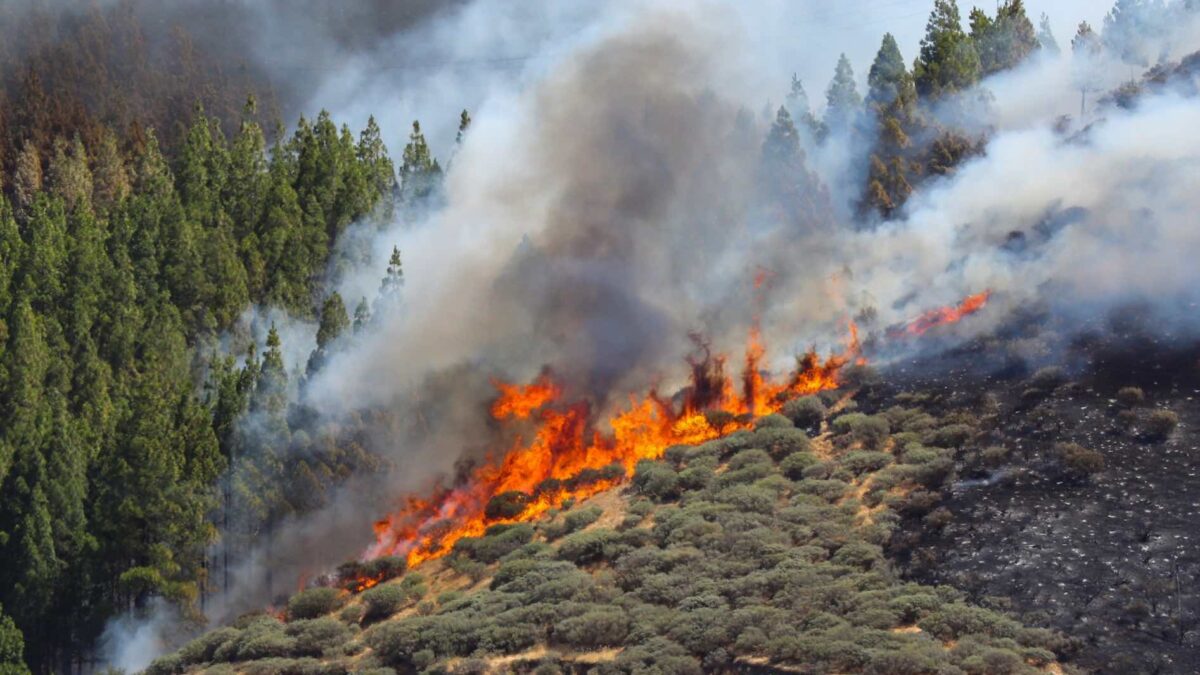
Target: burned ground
{"points": [[1109, 558]]}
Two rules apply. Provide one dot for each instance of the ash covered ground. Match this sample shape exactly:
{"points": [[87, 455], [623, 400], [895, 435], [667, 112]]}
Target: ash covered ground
{"points": [[1108, 555]]}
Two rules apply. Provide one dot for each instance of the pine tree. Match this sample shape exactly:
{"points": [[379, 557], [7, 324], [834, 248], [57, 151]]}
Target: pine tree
{"points": [[390, 287], [889, 81], [27, 178], [801, 110], [1046, 37], [893, 98], [1086, 49], [794, 192], [373, 155], [110, 178], [464, 123], [1002, 43], [70, 178], [362, 316], [12, 647], [420, 174], [948, 62], [842, 98], [1131, 30], [334, 322]]}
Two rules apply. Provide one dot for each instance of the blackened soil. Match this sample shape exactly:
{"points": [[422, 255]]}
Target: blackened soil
{"points": [[1112, 559]]}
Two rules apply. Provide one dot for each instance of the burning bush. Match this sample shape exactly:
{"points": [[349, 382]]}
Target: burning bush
{"points": [[1160, 424]]}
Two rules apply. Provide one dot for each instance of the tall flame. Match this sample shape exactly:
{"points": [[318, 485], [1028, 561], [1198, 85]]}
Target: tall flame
{"points": [[566, 450]]}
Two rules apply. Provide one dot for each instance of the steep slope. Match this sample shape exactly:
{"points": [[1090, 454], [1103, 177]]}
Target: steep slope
{"points": [[758, 552]]}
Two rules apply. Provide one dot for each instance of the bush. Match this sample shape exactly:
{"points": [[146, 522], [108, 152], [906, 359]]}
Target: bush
{"points": [[871, 431], [319, 637], [864, 461], [384, 601], [793, 465], [201, 649], [581, 518], [950, 436], [584, 548], [780, 443], [955, 620], [1048, 379], [1131, 397], [749, 457], [313, 602], [1079, 461], [1160, 424], [806, 412], [604, 626], [772, 422], [747, 498], [506, 505], [497, 542], [656, 480]]}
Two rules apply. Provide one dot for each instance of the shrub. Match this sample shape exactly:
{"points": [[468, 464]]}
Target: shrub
{"points": [[201, 649], [864, 461], [584, 548], [772, 422], [793, 465], [497, 542], [318, 637], [780, 443], [604, 626], [170, 664], [859, 554], [749, 457], [1079, 461], [1131, 397], [830, 490], [1160, 424], [656, 480], [955, 620], [805, 412], [506, 505], [313, 602], [871, 431], [994, 455], [747, 498], [1048, 379], [950, 436], [581, 518], [383, 601]]}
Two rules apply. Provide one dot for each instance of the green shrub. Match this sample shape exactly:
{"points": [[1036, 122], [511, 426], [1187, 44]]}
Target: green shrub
{"points": [[747, 498], [793, 465], [772, 422], [863, 461], [319, 637], [383, 601], [656, 480], [171, 664], [313, 602], [497, 542], [749, 457], [351, 614], [780, 443], [871, 431], [952, 621], [201, 649], [583, 548], [950, 436], [830, 490], [805, 412], [1160, 424], [581, 518], [604, 626], [696, 477]]}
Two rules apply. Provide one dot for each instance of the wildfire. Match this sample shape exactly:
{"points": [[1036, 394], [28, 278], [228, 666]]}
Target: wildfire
{"points": [[942, 316], [563, 452], [568, 455]]}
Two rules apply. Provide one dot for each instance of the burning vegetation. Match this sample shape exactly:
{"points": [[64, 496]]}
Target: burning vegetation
{"points": [[564, 453]]}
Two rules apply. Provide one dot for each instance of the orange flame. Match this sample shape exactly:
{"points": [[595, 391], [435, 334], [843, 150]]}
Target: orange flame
{"points": [[942, 315], [566, 455]]}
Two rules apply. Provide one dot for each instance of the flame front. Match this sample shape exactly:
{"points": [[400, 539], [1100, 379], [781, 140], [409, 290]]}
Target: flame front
{"points": [[943, 315], [565, 452]]}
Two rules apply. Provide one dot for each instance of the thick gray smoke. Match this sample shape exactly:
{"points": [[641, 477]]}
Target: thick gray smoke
{"points": [[609, 200]]}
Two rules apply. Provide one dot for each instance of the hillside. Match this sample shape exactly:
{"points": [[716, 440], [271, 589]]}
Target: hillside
{"points": [[763, 551]]}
